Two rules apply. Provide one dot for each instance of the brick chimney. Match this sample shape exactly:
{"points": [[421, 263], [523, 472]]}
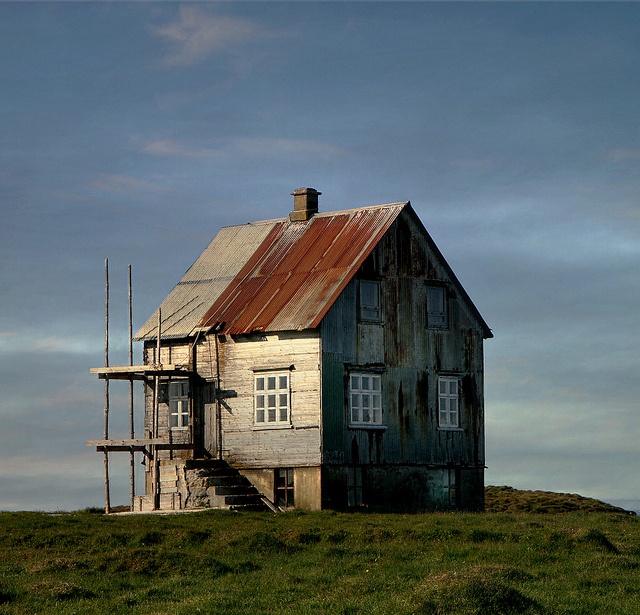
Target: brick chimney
{"points": [[305, 204]]}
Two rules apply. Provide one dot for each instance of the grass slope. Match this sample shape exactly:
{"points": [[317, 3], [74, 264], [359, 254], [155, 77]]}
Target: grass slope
{"points": [[532, 563], [508, 499]]}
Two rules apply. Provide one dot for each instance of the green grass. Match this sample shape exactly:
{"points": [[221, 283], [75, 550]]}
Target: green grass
{"points": [[574, 563]]}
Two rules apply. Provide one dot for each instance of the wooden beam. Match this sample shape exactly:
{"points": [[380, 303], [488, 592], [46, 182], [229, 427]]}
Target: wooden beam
{"points": [[137, 448], [139, 372], [128, 442]]}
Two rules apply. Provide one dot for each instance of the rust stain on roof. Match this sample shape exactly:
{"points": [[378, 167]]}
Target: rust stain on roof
{"points": [[299, 270]]}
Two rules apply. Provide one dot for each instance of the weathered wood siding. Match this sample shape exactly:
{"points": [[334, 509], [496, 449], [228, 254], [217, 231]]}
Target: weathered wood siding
{"points": [[247, 445], [177, 352], [412, 356]]}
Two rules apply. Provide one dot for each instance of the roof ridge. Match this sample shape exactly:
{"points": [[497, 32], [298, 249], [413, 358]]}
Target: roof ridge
{"points": [[321, 214]]}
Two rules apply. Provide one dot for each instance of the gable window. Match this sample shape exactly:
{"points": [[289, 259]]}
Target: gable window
{"points": [[271, 399], [365, 399], [179, 404], [437, 307], [448, 403], [370, 300]]}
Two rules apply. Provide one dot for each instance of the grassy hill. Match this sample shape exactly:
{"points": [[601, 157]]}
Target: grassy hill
{"points": [[583, 561], [508, 499]]}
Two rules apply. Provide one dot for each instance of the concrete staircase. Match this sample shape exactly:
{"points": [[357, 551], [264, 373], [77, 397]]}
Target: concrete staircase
{"points": [[215, 484]]}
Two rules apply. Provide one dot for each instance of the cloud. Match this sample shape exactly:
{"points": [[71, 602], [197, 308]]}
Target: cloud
{"points": [[620, 155], [241, 146], [196, 35], [33, 342], [121, 184]]}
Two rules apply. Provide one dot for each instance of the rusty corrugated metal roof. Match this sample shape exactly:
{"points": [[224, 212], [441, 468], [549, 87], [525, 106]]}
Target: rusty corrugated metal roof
{"points": [[278, 275], [299, 270], [205, 280]]}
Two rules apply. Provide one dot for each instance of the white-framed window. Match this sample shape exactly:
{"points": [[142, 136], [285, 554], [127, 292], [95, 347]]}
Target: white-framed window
{"points": [[272, 405], [448, 403], [437, 317], [365, 399], [178, 404], [370, 305]]}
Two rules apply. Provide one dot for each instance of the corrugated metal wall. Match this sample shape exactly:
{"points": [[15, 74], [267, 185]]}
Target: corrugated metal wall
{"points": [[413, 356]]}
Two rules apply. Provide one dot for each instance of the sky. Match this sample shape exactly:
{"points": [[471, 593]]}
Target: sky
{"points": [[135, 131]]}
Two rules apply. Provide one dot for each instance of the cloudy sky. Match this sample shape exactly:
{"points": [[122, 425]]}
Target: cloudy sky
{"points": [[134, 131]]}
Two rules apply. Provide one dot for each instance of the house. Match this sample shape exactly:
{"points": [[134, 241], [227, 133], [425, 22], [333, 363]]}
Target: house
{"points": [[328, 360]]}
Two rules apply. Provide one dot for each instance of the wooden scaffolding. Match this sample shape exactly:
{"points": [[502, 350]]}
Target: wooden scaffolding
{"points": [[151, 375]]}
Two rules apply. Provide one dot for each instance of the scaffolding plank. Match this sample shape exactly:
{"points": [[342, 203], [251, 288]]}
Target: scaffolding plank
{"points": [[138, 372], [128, 442]]}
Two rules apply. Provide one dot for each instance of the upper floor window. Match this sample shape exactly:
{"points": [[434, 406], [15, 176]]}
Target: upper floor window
{"points": [[178, 404], [437, 307], [365, 399], [370, 305], [448, 403], [272, 399]]}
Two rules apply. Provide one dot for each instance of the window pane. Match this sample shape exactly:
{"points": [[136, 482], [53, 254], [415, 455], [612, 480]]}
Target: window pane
{"points": [[283, 382], [260, 401], [271, 383], [355, 414], [453, 387], [173, 420], [260, 384], [355, 382], [283, 414], [435, 297], [260, 415], [271, 401], [272, 415], [375, 381], [366, 383], [283, 399]]}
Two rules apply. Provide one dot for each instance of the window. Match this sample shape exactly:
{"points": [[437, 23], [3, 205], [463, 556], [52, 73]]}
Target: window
{"points": [[179, 404], [451, 487], [370, 300], [272, 399], [284, 487], [365, 399], [354, 487], [448, 414], [437, 307]]}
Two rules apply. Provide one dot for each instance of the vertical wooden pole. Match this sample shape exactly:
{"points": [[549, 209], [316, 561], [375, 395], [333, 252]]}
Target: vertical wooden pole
{"points": [[156, 411], [218, 400], [132, 476], [107, 499]]}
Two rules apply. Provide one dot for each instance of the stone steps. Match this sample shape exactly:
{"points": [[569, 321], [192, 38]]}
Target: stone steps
{"points": [[225, 486]]}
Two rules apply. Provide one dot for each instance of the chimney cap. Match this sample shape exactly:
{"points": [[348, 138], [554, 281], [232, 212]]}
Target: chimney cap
{"points": [[305, 204], [309, 191]]}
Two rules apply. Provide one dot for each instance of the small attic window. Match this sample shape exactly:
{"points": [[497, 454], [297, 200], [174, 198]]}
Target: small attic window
{"points": [[370, 304], [437, 310]]}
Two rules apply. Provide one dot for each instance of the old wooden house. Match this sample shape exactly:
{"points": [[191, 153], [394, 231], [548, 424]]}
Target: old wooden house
{"points": [[324, 360]]}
